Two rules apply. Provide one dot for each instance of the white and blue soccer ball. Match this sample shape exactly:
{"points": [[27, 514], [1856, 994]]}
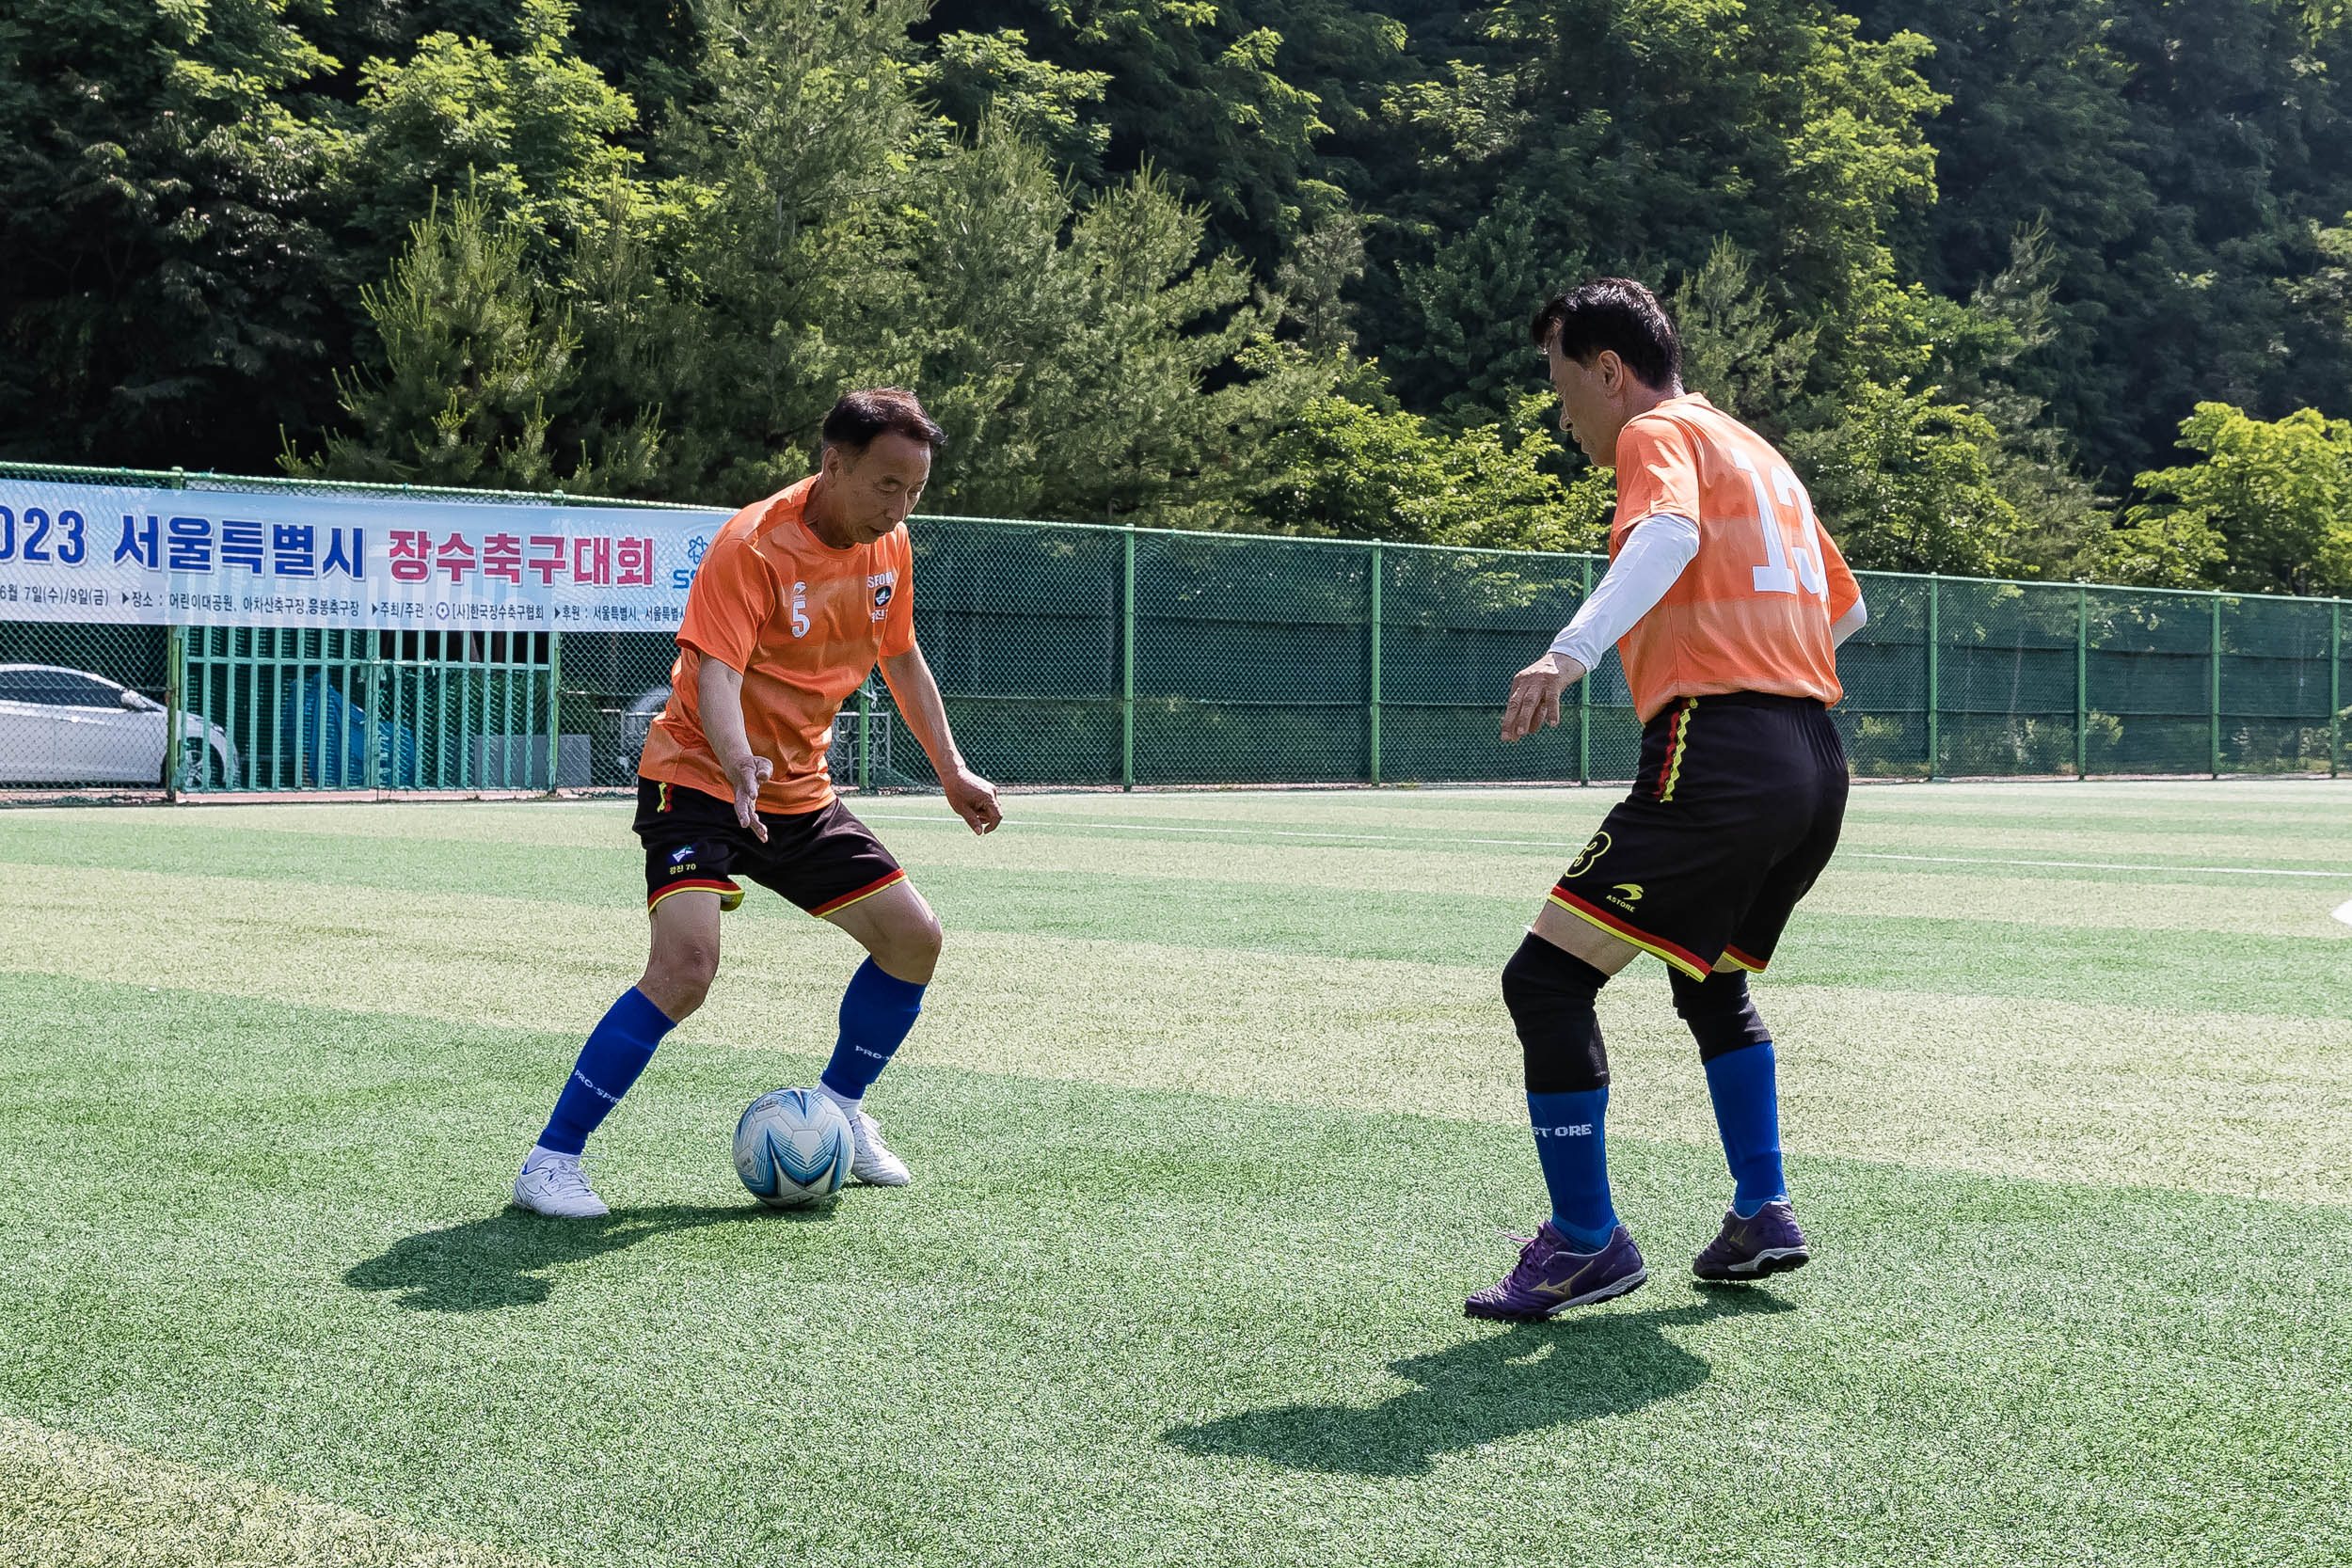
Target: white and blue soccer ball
{"points": [[793, 1147]]}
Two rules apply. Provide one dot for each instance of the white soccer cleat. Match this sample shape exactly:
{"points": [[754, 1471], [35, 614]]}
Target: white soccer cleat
{"points": [[874, 1163], [553, 1184]]}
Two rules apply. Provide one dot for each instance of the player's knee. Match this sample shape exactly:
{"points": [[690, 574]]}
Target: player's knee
{"points": [[679, 977], [1720, 1014], [909, 948], [1551, 994]]}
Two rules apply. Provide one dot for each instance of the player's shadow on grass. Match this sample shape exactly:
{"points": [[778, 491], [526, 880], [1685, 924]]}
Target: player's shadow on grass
{"points": [[1498, 1386], [507, 1259]]}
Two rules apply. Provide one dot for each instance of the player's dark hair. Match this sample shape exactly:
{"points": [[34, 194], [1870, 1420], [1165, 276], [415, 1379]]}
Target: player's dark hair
{"points": [[862, 415], [1613, 313]]}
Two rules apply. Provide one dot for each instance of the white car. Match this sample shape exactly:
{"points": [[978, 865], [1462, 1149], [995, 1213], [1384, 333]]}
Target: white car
{"points": [[61, 726]]}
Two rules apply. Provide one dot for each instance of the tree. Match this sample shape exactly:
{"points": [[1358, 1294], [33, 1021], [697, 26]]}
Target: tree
{"points": [[531, 132], [1349, 470], [2267, 508], [477, 365], [1901, 483], [2179, 151], [168, 291], [1225, 101], [1746, 357]]}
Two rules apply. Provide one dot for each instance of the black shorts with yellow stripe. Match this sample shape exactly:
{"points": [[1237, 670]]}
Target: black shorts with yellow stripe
{"points": [[1734, 813], [823, 860]]}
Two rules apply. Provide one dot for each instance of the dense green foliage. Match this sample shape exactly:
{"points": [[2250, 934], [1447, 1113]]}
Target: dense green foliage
{"points": [[1259, 264]]}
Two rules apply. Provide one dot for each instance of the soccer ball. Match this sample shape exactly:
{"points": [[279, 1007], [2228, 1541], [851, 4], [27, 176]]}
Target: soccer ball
{"points": [[793, 1147]]}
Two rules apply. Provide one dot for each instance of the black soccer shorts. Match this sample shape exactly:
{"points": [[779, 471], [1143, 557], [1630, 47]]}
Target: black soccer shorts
{"points": [[1734, 814], [823, 860]]}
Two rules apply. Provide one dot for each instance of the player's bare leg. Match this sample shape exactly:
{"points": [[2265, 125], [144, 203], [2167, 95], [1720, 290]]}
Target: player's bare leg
{"points": [[684, 958], [1573, 934], [898, 928]]}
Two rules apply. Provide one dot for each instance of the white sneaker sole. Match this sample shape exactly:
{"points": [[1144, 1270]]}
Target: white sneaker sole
{"points": [[524, 1203]]}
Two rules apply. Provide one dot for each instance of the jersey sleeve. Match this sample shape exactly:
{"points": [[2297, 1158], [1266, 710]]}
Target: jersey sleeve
{"points": [[732, 596], [1658, 470], [1844, 592], [899, 621]]}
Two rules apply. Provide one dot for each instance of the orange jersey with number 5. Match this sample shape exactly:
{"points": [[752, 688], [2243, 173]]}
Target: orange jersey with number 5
{"points": [[1752, 611]]}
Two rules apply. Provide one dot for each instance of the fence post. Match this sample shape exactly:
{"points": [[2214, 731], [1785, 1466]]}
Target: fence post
{"points": [[375, 745], [1584, 692], [2216, 687], [2082, 684], [1375, 713], [1935, 677], [175, 697], [555, 711], [2335, 687], [1127, 668]]}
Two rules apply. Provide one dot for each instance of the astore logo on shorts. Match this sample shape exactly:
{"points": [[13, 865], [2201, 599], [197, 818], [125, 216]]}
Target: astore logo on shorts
{"points": [[1574, 1130]]}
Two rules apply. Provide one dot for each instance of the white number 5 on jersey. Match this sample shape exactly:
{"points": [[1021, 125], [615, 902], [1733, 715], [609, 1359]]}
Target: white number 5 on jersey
{"points": [[1786, 565]]}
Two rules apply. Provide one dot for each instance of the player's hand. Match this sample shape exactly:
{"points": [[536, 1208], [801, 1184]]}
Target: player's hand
{"points": [[1535, 695], [747, 774], [974, 799]]}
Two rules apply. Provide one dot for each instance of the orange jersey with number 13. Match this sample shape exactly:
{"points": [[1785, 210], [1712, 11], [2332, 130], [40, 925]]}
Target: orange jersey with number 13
{"points": [[1752, 611]]}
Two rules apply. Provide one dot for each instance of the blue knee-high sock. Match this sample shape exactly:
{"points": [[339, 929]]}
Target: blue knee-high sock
{"points": [[617, 1051], [1571, 1147], [877, 1011], [1747, 1114]]}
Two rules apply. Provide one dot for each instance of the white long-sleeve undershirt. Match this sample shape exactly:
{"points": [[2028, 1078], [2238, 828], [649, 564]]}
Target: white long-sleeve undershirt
{"points": [[1661, 547], [1652, 560]]}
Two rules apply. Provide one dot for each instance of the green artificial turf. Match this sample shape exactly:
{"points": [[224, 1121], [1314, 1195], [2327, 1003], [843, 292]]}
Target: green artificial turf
{"points": [[252, 1164]]}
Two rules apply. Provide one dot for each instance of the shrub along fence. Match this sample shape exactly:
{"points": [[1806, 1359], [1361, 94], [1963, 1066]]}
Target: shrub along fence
{"points": [[1088, 655]]}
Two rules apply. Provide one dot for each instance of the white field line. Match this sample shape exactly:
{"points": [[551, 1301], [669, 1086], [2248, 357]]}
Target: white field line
{"points": [[2345, 913]]}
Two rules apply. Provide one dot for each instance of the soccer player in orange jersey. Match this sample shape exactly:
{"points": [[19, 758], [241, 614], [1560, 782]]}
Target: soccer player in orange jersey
{"points": [[1726, 601], [797, 598]]}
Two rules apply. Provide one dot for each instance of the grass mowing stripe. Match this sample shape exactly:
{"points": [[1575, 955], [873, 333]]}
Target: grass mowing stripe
{"points": [[2037, 1086], [1280, 1376], [1088, 825], [2095, 865], [509, 860], [67, 1501]]}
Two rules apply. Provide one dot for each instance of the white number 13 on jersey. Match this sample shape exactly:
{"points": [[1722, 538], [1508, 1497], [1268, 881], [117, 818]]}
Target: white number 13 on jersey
{"points": [[1786, 565]]}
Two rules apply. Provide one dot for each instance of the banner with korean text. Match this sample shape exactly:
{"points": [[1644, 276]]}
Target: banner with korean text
{"points": [[227, 558]]}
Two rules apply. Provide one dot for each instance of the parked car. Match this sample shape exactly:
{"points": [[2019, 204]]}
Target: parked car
{"points": [[61, 726]]}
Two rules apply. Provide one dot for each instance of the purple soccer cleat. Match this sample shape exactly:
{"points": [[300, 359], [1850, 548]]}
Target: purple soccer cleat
{"points": [[1768, 1242], [1552, 1276]]}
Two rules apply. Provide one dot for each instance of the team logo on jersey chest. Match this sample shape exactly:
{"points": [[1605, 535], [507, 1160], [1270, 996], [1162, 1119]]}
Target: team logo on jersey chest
{"points": [[880, 586]]}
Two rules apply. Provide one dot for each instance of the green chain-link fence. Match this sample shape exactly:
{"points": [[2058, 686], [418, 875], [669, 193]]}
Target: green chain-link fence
{"points": [[1075, 654]]}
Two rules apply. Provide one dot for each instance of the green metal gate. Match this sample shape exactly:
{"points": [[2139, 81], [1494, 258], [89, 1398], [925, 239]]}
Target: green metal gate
{"points": [[306, 709]]}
